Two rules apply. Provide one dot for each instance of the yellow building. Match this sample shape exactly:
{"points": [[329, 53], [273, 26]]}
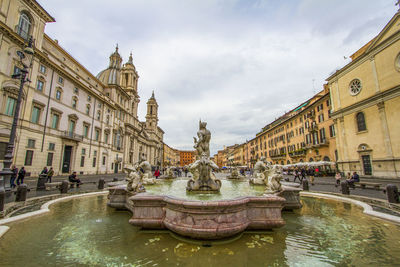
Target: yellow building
{"points": [[366, 106], [171, 156], [70, 119], [187, 157], [306, 133]]}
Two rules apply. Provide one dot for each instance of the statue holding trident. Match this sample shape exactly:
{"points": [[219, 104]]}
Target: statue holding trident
{"points": [[203, 144]]}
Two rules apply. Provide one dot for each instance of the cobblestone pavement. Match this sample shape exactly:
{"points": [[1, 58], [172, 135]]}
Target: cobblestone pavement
{"points": [[321, 184]]}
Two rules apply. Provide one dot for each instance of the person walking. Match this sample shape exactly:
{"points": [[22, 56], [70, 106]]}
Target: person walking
{"points": [[50, 175], [21, 175], [13, 176], [338, 177], [157, 173], [296, 175], [311, 174]]}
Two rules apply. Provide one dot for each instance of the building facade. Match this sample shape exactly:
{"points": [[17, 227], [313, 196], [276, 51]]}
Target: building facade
{"points": [[70, 119], [366, 103], [186, 157], [171, 156]]}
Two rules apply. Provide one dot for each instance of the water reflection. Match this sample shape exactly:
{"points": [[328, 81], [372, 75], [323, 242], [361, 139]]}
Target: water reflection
{"points": [[84, 232]]}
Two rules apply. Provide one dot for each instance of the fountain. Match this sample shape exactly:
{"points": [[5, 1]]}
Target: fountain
{"points": [[169, 173], [235, 174], [204, 179], [214, 219]]}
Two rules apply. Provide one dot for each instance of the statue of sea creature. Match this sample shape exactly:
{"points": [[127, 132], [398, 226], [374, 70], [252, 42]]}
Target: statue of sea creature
{"points": [[134, 181], [274, 180], [261, 172]]}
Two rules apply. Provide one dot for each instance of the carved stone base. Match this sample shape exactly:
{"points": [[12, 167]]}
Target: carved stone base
{"points": [[147, 181], [257, 181], [203, 186]]}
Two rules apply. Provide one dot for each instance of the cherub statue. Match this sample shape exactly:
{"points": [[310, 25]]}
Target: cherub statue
{"points": [[261, 172], [274, 180], [144, 168], [134, 181]]}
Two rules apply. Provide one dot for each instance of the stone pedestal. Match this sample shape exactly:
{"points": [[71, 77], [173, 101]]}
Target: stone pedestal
{"points": [[41, 182]]}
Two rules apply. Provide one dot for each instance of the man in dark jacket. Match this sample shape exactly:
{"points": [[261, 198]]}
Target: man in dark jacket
{"points": [[13, 176], [72, 179], [21, 176]]}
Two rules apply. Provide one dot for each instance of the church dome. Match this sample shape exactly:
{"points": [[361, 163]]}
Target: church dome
{"points": [[111, 75]]}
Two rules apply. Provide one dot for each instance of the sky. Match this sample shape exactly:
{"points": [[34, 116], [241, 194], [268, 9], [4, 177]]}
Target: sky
{"points": [[236, 64]]}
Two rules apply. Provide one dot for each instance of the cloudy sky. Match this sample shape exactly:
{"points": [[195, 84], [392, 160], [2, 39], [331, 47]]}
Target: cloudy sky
{"points": [[237, 64]]}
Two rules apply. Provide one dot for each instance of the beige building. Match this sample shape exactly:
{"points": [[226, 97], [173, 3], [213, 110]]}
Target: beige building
{"points": [[70, 119], [366, 103], [171, 156], [306, 133]]}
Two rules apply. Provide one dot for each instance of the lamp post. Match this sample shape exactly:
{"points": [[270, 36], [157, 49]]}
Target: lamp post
{"points": [[8, 157]]}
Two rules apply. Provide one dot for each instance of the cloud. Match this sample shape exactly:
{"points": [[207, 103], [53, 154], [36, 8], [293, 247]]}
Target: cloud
{"points": [[237, 64]]}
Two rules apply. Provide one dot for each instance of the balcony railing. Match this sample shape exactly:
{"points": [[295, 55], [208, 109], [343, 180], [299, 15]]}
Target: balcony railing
{"points": [[298, 153], [72, 136], [312, 128], [322, 143], [283, 155]]}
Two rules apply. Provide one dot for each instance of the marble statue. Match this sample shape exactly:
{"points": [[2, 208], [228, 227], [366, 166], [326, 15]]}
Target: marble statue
{"points": [[203, 179], [203, 144], [274, 180], [261, 172], [235, 174], [144, 169], [134, 181]]}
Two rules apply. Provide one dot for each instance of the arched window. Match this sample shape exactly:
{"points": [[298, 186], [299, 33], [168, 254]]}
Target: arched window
{"points": [[361, 126], [87, 109], [74, 102], [24, 26]]}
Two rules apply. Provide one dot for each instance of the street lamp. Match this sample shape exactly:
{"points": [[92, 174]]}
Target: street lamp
{"points": [[22, 75]]}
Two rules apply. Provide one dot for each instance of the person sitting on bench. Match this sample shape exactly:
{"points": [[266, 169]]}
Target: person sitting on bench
{"points": [[354, 179], [72, 179]]}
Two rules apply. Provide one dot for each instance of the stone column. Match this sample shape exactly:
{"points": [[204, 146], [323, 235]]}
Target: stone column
{"points": [[385, 130], [375, 74]]}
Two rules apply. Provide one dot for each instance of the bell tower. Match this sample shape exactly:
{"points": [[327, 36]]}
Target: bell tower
{"points": [[152, 113]]}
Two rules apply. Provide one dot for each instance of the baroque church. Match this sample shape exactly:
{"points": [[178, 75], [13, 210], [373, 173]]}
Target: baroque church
{"points": [[70, 119]]}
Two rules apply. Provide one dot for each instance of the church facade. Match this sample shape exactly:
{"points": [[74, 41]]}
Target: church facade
{"points": [[70, 119]]}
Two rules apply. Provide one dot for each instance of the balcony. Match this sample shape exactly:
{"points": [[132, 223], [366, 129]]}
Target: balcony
{"points": [[298, 153], [322, 143], [312, 128], [278, 156], [72, 136]]}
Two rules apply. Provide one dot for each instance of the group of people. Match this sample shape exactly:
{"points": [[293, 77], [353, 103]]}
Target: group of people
{"points": [[351, 179], [18, 176], [302, 173]]}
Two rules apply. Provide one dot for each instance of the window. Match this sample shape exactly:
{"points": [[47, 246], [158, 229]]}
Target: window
{"points": [[106, 138], [87, 109], [82, 161], [83, 151], [322, 136], [31, 143], [89, 98], [55, 118], [74, 102], [35, 114], [85, 130], [58, 94], [97, 134], [28, 158], [52, 146], [98, 115], [60, 80], [24, 26], [104, 160], [361, 126], [320, 117], [50, 159], [10, 106], [94, 162], [355, 87], [71, 126], [42, 69], [39, 85], [16, 70], [332, 130], [108, 119], [76, 90]]}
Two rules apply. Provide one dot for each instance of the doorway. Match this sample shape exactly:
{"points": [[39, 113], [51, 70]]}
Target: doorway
{"points": [[366, 161], [116, 165], [67, 159]]}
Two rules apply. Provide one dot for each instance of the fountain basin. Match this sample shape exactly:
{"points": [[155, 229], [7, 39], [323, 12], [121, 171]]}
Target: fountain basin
{"points": [[200, 219]]}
